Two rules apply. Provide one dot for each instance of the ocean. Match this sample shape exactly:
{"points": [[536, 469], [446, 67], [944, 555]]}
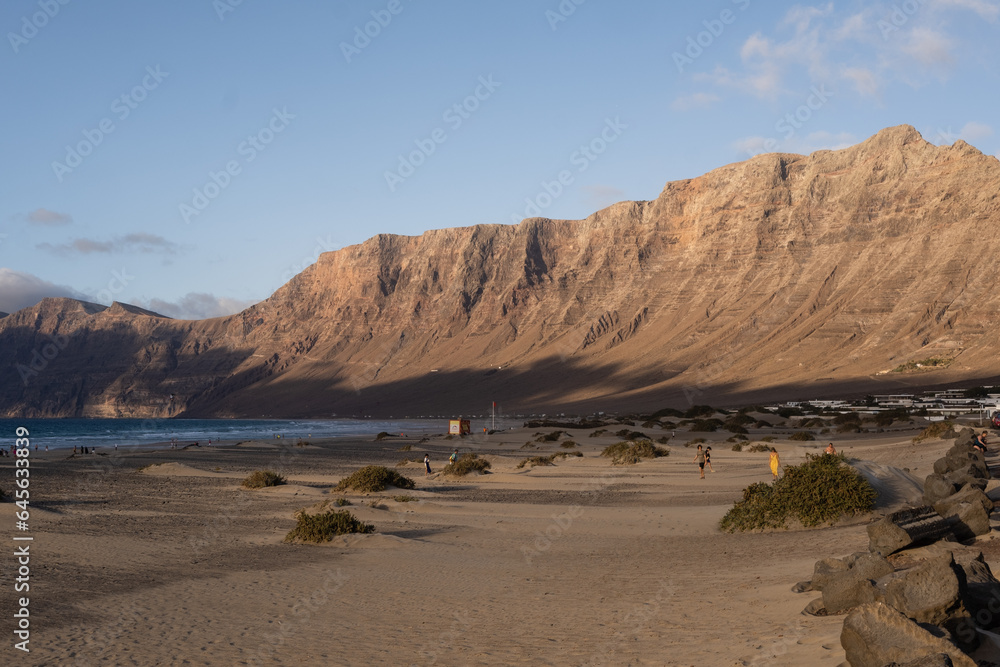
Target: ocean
{"points": [[106, 433]]}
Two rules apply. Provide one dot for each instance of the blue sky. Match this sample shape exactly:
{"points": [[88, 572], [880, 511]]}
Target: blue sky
{"points": [[192, 156]]}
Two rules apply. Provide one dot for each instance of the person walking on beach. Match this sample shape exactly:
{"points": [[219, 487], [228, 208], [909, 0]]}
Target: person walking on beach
{"points": [[427, 464], [830, 449], [708, 458], [699, 458], [775, 463]]}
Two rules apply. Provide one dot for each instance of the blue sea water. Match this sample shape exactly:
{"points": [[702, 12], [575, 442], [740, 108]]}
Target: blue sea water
{"points": [[101, 433]]}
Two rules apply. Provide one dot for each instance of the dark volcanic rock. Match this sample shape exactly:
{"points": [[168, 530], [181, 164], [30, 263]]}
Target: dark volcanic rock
{"points": [[875, 635]]}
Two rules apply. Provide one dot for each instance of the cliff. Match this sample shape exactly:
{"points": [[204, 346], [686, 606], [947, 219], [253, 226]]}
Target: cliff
{"points": [[784, 275]]}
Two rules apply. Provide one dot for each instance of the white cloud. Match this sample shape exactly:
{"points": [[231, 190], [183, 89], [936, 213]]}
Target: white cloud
{"points": [[694, 101], [599, 196], [198, 306], [802, 145], [929, 47], [43, 216], [22, 290], [129, 243], [865, 81], [974, 131], [986, 10]]}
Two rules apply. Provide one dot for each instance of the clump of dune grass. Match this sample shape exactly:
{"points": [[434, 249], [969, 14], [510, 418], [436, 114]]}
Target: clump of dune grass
{"points": [[943, 430], [628, 453], [546, 460], [549, 437], [536, 461], [341, 502], [403, 463], [598, 432], [529, 445], [466, 463], [260, 479], [569, 444], [372, 479], [404, 499], [324, 527], [405, 448], [758, 447], [802, 436], [819, 491], [738, 447]]}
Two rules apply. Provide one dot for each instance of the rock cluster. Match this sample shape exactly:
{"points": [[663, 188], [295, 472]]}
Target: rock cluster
{"points": [[918, 597]]}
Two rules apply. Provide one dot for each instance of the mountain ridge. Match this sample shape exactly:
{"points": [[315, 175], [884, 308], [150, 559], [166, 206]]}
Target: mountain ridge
{"points": [[777, 271]]}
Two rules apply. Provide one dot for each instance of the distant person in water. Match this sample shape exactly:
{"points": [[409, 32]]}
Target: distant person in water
{"points": [[427, 464], [775, 463], [699, 458], [830, 449]]}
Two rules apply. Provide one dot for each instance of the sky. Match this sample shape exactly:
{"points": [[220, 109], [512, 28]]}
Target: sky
{"points": [[191, 157]]}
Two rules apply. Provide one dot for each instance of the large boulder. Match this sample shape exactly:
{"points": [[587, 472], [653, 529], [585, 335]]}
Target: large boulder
{"points": [[937, 487], [931, 593], [970, 508], [930, 660], [855, 586], [982, 592], [905, 528], [875, 635]]}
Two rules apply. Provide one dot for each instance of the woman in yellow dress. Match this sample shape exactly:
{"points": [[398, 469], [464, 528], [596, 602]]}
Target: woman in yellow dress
{"points": [[775, 463]]}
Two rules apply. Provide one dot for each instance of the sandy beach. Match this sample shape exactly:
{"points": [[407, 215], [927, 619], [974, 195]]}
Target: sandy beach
{"points": [[161, 558]]}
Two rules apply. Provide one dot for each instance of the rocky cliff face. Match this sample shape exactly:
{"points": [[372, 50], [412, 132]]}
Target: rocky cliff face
{"points": [[782, 275]]}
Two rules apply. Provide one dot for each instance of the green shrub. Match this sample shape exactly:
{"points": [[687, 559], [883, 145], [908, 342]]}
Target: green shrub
{"points": [[696, 441], [383, 435], [403, 462], [943, 430], [785, 413], [569, 444], [758, 447], [739, 437], [598, 432], [341, 502], [768, 438], [929, 362], [696, 411], [549, 437], [404, 499], [821, 490], [663, 439], [849, 427], [705, 425], [627, 453], [651, 424], [466, 463], [405, 448], [847, 418], [371, 479], [262, 478], [536, 461], [738, 447], [626, 434], [802, 436], [324, 527], [734, 428], [529, 445], [666, 412], [739, 419]]}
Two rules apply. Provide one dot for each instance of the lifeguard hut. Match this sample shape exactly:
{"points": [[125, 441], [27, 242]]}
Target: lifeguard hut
{"points": [[459, 427]]}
